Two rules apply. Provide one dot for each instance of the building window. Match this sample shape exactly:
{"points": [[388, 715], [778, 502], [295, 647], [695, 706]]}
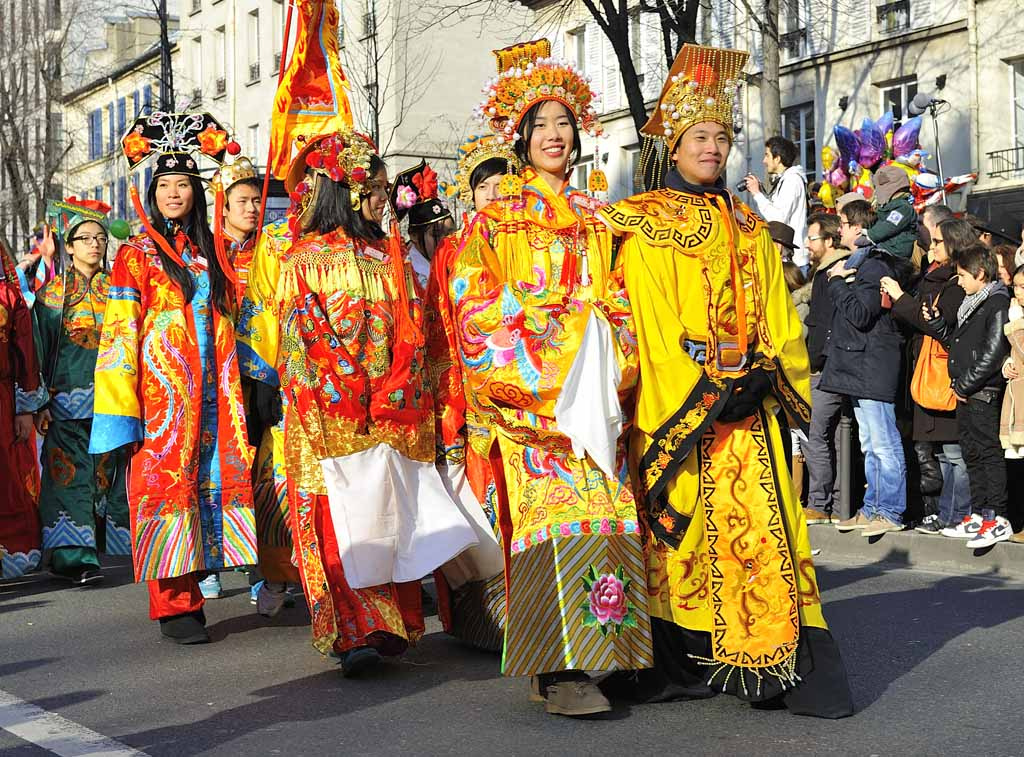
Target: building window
{"points": [[793, 39], [220, 59], [122, 117], [97, 193], [577, 48], [254, 142], [277, 30], [122, 192], [581, 173], [897, 96], [136, 104], [147, 99], [893, 17], [1017, 72], [95, 134], [254, 46], [798, 128], [197, 61], [110, 128]]}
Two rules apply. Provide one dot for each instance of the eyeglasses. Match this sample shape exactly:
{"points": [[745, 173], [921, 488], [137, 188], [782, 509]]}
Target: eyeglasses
{"points": [[815, 238], [98, 239]]}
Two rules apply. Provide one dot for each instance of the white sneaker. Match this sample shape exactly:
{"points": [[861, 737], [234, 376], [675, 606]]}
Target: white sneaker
{"points": [[965, 529], [992, 532], [270, 599]]}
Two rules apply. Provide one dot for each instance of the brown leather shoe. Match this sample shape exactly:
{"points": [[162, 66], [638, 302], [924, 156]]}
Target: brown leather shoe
{"points": [[860, 520], [535, 692], [814, 517], [1017, 538], [575, 698]]}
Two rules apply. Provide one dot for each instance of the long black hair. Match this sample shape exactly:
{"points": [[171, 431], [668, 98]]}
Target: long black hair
{"points": [[333, 209], [200, 238], [529, 123]]}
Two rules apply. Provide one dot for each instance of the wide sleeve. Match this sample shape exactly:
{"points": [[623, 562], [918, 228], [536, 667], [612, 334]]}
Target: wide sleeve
{"points": [[117, 415], [258, 330], [30, 395], [46, 330], [517, 339], [791, 380]]}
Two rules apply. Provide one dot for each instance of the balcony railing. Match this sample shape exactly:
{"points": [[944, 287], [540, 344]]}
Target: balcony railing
{"points": [[794, 44], [277, 61], [254, 72], [220, 87], [197, 96], [1006, 162], [197, 5], [894, 17]]}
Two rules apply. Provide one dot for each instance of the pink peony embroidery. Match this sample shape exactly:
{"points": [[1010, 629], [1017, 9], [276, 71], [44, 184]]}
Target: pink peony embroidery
{"points": [[608, 600]]}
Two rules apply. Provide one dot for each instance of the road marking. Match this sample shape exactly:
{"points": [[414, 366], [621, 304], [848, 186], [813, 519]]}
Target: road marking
{"points": [[55, 733]]}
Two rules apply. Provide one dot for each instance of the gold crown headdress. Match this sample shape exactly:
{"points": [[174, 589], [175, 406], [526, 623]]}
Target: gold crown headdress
{"points": [[701, 86], [343, 156], [528, 75], [477, 150], [229, 174]]}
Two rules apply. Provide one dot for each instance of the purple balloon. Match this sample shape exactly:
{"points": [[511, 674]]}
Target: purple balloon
{"points": [[872, 144], [905, 138], [886, 122], [846, 141]]}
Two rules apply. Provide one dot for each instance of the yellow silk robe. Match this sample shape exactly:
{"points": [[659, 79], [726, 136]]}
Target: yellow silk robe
{"points": [[728, 551], [530, 273]]}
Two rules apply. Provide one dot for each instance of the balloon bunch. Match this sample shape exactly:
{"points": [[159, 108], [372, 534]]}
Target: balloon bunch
{"points": [[850, 166]]}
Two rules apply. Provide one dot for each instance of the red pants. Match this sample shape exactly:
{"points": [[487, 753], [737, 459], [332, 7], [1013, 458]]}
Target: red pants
{"points": [[174, 596]]}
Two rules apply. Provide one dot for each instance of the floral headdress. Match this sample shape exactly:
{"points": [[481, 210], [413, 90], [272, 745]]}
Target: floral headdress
{"points": [[414, 194], [343, 156], [528, 75], [175, 140], [477, 150]]}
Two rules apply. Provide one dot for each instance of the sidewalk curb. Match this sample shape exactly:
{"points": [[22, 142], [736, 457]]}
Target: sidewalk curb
{"points": [[909, 549]]}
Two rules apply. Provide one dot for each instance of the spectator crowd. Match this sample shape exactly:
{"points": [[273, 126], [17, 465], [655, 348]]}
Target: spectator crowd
{"points": [[915, 328]]}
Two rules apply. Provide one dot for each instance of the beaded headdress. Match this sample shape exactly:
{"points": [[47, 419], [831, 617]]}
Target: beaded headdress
{"points": [[701, 86], [64, 216], [472, 153], [241, 169], [528, 75], [343, 156]]}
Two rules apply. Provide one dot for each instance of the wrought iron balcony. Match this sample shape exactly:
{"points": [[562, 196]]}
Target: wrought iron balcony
{"points": [[794, 44], [254, 72], [220, 87], [1006, 162]]}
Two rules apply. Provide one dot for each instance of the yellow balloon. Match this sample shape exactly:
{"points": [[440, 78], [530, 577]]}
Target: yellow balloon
{"points": [[827, 195], [828, 157]]}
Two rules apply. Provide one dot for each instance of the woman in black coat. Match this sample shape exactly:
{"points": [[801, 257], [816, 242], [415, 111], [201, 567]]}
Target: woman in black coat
{"points": [[936, 440]]}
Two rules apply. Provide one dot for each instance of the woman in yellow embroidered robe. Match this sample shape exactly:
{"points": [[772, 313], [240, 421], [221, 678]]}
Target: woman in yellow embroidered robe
{"points": [[531, 273], [168, 388]]}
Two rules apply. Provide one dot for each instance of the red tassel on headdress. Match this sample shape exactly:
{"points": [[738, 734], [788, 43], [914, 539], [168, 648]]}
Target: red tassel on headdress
{"points": [[218, 239]]}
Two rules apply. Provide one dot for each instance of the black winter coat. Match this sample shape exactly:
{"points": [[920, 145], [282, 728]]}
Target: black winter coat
{"points": [[930, 425], [978, 347], [864, 350], [819, 316]]}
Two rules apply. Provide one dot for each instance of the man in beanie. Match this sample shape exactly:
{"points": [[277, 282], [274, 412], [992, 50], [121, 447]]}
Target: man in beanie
{"points": [[895, 231]]}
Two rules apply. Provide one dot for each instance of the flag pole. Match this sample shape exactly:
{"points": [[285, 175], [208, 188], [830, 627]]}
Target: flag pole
{"points": [[270, 147]]}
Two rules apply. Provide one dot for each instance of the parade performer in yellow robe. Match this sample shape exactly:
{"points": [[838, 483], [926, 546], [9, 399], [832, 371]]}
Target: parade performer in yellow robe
{"points": [[732, 590], [474, 612], [335, 322], [547, 357]]}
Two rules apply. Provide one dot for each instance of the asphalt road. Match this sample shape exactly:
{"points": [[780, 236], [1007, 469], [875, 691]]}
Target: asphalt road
{"points": [[934, 662]]}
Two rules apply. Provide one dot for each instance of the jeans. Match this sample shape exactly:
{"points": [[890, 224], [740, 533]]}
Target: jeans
{"points": [[977, 421], [885, 468], [955, 499], [821, 448]]}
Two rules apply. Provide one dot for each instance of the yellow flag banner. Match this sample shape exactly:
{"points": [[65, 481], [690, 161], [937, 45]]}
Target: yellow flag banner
{"points": [[311, 97]]}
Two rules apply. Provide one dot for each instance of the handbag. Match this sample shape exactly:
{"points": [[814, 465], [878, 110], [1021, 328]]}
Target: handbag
{"points": [[930, 386]]}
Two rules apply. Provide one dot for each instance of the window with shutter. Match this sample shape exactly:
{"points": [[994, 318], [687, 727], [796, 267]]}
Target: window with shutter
{"points": [[110, 128], [611, 80]]}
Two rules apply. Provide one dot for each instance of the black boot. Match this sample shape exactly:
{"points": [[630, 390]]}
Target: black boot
{"points": [[189, 628], [930, 472]]}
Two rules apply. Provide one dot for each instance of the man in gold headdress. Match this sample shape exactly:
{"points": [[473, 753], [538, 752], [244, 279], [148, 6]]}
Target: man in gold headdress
{"points": [[732, 592]]}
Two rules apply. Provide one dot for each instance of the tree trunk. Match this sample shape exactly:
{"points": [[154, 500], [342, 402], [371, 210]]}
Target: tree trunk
{"points": [[771, 101]]}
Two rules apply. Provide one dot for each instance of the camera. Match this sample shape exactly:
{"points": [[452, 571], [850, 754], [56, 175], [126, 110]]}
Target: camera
{"points": [[741, 185]]}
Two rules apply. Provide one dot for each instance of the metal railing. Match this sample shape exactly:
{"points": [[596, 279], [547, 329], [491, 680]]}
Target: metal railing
{"points": [[254, 72], [220, 87], [197, 5], [794, 43], [1006, 162], [197, 96]]}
